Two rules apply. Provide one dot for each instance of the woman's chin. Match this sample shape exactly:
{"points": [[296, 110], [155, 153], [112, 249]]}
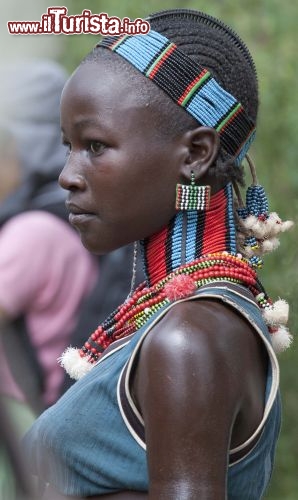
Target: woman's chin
{"points": [[96, 245], [92, 246]]}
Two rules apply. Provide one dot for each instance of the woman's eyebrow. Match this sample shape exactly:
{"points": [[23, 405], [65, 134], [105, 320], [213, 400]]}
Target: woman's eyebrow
{"points": [[85, 122]]}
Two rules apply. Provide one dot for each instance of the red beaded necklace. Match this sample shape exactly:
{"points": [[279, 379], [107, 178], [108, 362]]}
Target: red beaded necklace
{"points": [[196, 248], [146, 301]]}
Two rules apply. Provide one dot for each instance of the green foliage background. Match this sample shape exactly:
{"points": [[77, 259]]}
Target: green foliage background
{"points": [[269, 27]]}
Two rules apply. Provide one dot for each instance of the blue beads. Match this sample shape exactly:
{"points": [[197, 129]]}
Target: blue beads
{"points": [[242, 212], [139, 50], [210, 104], [256, 261], [192, 221], [176, 241], [230, 219], [256, 201]]}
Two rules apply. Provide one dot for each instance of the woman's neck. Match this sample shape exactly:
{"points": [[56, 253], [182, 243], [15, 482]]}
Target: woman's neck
{"points": [[189, 235]]}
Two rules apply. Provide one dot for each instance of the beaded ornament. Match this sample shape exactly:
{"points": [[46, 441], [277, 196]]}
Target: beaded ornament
{"points": [[190, 85], [192, 197], [257, 227], [257, 231], [146, 301], [189, 235], [196, 248]]}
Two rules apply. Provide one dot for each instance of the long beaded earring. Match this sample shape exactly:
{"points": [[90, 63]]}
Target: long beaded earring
{"points": [[258, 228], [192, 197], [257, 235]]}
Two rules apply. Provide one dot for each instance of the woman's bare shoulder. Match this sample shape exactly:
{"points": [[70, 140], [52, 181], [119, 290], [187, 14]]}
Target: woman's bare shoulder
{"points": [[201, 326]]}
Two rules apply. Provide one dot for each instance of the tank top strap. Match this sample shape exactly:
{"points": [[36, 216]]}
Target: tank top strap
{"points": [[235, 296]]}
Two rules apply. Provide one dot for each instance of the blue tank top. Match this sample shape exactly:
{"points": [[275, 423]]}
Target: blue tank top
{"points": [[91, 442]]}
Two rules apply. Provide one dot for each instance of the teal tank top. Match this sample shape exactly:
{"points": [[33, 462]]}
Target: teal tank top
{"points": [[91, 442]]}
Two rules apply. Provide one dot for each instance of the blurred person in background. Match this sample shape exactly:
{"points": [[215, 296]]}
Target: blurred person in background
{"points": [[45, 273]]}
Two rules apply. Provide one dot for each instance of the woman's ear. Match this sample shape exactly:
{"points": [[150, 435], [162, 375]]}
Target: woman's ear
{"points": [[203, 145]]}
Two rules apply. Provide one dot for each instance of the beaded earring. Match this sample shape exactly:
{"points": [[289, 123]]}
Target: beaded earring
{"points": [[192, 197], [257, 227], [257, 231]]}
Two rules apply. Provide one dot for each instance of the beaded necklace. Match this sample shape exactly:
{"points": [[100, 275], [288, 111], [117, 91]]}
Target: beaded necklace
{"points": [[146, 301], [193, 250], [189, 235]]}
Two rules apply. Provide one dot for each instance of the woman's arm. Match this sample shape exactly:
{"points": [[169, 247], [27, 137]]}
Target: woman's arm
{"points": [[189, 386]]}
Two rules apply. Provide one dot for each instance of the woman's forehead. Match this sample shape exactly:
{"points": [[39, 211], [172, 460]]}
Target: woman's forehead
{"points": [[101, 82], [104, 87], [96, 95]]}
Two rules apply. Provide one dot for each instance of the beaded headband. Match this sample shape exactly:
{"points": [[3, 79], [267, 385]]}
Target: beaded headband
{"points": [[189, 85]]}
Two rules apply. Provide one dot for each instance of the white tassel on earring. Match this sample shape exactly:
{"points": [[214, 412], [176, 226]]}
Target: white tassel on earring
{"points": [[268, 245], [276, 317], [266, 228], [274, 225], [277, 313], [73, 363], [255, 226], [281, 339]]}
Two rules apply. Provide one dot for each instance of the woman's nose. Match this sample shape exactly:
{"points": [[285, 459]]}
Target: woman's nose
{"points": [[71, 177]]}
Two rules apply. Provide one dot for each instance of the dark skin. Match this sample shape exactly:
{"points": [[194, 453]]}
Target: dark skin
{"points": [[200, 378]]}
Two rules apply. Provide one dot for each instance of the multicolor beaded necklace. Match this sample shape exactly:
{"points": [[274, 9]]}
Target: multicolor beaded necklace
{"points": [[193, 250]]}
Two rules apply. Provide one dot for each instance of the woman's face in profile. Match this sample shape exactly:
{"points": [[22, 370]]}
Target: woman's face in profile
{"points": [[121, 174]]}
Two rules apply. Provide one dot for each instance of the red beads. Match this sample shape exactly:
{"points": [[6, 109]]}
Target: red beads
{"points": [[183, 282]]}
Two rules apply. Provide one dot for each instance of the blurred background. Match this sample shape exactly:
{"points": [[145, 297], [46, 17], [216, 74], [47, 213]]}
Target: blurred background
{"points": [[269, 27]]}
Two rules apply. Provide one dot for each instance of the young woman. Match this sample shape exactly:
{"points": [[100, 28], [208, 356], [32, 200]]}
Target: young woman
{"points": [[177, 396]]}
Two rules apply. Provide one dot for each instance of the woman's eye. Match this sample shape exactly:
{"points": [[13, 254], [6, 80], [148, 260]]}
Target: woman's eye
{"points": [[67, 148], [96, 147]]}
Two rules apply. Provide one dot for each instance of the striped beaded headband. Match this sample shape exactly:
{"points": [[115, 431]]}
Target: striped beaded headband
{"points": [[190, 85]]}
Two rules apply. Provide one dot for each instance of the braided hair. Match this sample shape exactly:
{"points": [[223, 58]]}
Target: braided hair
{"points": [[213, 45]]}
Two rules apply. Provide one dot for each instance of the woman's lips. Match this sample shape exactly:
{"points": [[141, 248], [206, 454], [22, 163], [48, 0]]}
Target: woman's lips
{"points": [[77, 214], [80, 218]]}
